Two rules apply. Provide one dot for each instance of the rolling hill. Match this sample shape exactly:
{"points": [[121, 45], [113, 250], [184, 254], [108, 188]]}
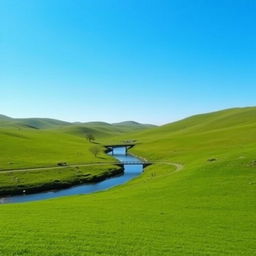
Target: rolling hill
{"points": [[206, 208], [102, 130], [34, 123], [4, 118], [96, 128]]}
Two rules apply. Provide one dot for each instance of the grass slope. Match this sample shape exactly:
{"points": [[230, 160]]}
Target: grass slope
{"points": [[208, 208], [24, 148]]}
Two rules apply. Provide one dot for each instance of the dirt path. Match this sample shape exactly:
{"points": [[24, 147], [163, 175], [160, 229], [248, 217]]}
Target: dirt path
{"points": [[56, 167], [179, 167]]}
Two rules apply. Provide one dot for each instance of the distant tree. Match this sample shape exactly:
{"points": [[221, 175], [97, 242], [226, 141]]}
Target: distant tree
{"points": [[95, 150], [90, 137]]}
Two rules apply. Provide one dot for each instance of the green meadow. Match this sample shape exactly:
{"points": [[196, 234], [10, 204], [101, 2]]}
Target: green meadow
{"points": [[208, 207]]}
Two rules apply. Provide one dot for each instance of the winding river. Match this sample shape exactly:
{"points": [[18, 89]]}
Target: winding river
{"points": [[130, 171]]}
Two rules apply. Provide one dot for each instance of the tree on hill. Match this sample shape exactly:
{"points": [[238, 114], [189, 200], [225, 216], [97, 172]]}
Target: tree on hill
{"points": [[95, 150], [90, 137]]}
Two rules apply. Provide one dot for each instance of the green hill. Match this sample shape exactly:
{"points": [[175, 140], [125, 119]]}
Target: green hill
{"points": [[206, 208], [129, 126], [216, 120], [84, 129], [35, 123], [102, 130], [133, 124], [203, 123], [4, 118], [41, 123], [96, 128]]}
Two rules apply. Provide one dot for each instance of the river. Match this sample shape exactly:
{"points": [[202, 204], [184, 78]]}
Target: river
{"points": [[130, 172]]}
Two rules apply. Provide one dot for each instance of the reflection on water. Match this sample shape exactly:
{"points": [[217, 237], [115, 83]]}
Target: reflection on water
{"points": [[130, 171]]}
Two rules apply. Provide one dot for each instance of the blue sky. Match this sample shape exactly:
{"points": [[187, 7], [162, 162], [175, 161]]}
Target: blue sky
{"points": [[149, 61]]}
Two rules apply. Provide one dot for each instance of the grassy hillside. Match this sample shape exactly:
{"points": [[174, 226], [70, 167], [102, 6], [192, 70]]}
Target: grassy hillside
{"points": [[21, 148], [212, 121], [207, 208]]}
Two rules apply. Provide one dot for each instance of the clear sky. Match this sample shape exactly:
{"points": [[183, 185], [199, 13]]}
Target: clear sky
{"points": [[112, 60]]}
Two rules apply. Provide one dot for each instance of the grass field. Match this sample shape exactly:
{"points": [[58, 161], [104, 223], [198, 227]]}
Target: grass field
{"points": [[207, 208]]}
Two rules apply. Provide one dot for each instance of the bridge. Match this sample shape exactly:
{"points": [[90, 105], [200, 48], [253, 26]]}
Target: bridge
{"points": [[145, 164], [126, 146]]}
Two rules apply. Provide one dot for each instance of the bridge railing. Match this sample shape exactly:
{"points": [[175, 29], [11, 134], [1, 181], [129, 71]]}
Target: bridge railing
{"points": [[134, 163]]}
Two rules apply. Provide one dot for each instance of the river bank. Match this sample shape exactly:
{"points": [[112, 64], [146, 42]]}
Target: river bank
{"points": [[99, 178], [74, 176]]}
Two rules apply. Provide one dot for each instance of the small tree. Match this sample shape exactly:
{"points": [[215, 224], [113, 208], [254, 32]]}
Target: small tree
{"points": [[90, 137], [95, 150]]}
